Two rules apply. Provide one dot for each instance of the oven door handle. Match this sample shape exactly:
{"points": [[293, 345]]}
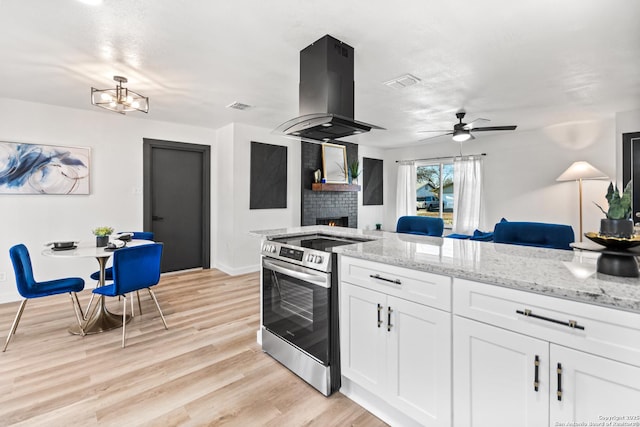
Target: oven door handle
{"points": [[319, 279]]}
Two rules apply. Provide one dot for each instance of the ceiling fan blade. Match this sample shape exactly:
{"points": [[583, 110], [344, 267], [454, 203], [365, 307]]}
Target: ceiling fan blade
{"points": [[470, 124], [513, 127], [441, 130], [436, 136]]}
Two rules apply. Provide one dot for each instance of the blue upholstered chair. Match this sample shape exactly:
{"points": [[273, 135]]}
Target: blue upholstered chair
{"points": [[29, 288], [134, 268], [108, 273], [553, 236], [422, 225]]}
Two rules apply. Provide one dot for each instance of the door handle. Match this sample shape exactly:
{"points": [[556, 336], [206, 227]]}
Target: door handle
{"points": [[389, 325], [559, 389], [157, 218], [379, 311], [536, 381]]}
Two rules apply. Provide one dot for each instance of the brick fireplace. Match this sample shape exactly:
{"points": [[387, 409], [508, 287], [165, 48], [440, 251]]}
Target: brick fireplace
{"points": [[319, 205]]}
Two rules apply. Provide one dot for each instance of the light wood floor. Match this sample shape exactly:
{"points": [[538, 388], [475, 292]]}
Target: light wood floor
{"points": [[205, 370]]}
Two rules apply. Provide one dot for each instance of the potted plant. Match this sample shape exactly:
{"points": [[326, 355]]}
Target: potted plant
{"points": [[102, 235], [618, 221], [354, 171]]}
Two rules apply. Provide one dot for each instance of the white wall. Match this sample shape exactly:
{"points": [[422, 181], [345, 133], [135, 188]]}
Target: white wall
{"points": [[520, 172], [116, 182], [238, 252]]}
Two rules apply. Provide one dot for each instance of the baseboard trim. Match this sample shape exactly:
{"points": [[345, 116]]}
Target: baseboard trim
{"points": [[238, 271]]}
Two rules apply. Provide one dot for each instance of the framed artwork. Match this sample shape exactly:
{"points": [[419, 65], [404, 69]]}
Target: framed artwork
{"points": [[268, 181], [43, 169], [334, 163], [372, 181]]}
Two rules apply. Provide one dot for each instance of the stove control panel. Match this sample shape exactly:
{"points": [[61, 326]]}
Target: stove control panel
{"points": [[305, 257], [271, 249], [314, 259], [291, 253]]}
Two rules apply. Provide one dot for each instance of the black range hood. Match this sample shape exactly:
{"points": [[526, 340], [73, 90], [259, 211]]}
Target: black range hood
{"points": [[326, 94]]}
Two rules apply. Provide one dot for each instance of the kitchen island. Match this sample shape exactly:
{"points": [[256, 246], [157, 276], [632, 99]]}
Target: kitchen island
{"points": [[441, 332]]}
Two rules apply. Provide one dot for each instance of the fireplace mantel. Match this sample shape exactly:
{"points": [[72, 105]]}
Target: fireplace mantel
{"points": [[318, 186]]}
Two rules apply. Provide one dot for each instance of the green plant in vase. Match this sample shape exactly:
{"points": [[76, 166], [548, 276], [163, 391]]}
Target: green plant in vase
{"points": [[354, 171], [102, 235], [618, 221]]}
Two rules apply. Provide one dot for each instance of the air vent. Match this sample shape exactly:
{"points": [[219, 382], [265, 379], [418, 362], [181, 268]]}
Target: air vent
{"points": [[403, 81], [239, 106]]}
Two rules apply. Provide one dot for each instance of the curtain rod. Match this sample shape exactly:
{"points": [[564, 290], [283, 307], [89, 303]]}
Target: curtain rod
{"points": [[443, 158]]}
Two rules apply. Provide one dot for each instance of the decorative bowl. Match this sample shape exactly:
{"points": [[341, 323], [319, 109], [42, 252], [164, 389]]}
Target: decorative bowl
{"points": [[63, 245], [613, 242]]}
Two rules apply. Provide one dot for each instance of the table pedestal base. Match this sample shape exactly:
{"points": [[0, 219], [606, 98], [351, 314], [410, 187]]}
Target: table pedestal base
{"points": [[102, 320], [618, 265]]}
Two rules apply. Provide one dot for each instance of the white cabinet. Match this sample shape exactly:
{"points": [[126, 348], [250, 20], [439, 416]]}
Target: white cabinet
{"points": [[397, 349], [528, 375], [493, 377], [593, 388], [362, 337]]}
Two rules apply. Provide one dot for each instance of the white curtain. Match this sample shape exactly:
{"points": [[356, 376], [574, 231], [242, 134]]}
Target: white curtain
{"points": [[467, 194], [406, 192]]}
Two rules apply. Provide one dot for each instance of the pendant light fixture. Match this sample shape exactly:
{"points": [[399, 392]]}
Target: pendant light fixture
{"points": [[119, 99]]}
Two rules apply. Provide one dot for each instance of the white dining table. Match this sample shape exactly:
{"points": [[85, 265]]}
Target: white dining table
{"points": [[102, 319]]}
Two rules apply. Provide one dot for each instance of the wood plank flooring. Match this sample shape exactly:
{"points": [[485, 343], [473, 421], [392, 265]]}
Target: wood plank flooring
{"points": [[207, 369]]}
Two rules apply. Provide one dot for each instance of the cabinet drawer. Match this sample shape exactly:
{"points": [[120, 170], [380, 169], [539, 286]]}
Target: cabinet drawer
{"points": [[607, 332], [424, 288]]}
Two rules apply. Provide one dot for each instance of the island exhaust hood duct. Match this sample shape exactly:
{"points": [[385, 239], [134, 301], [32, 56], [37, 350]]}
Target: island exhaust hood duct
{"points": [[326, 94]]}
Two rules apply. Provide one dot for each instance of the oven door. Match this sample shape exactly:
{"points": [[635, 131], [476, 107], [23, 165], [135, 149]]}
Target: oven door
{"points": [[295, 306]]}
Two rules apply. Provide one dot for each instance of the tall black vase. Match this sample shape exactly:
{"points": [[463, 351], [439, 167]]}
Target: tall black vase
{"points": [[622, 228]]}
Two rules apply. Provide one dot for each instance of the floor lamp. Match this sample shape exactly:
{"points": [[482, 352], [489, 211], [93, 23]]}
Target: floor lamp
{"points": [[577, 172]]}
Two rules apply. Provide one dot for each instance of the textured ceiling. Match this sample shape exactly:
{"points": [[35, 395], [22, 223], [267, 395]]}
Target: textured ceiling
{"points": [[530, 63]]}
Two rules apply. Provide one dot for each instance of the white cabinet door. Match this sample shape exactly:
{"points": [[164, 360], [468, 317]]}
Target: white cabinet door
{"points": [[593, 388], [362, 337], [419, 351], [493, 377]]}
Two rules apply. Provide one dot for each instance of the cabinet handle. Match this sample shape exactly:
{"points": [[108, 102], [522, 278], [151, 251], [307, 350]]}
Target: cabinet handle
{"points": [[380, 322], [389, 325], [559, 391], [536, 382], [379, 277], [571, 323]]}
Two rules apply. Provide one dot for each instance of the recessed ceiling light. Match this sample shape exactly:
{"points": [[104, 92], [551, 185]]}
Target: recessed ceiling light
{"points": [[91, 2], [402, 81]]}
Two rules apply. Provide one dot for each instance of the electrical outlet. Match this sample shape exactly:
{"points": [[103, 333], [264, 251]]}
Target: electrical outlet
{"points": [[3, 276]]}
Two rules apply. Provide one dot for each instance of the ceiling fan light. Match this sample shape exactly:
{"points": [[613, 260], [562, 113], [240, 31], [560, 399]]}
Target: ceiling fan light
{"points": [[461, 135]]}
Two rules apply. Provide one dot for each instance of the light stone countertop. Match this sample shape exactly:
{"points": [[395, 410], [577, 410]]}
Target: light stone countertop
{"points": [[558, 273]]}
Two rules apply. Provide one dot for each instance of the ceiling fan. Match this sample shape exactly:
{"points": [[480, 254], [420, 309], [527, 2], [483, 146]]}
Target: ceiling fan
{"points": [[462, 131]]}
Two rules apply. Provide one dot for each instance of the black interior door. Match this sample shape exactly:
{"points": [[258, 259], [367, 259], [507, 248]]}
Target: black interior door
{"points": [[177, 198], [631, 168]]}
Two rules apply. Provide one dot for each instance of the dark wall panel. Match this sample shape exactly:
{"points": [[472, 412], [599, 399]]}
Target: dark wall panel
{"points": [[372, 181], [268, 185]]}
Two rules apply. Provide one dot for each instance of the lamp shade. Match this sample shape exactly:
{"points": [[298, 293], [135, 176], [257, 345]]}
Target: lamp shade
{"points": [[581, 170]]}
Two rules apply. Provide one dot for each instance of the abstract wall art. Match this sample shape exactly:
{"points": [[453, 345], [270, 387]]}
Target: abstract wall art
{"points": [[268, 180], [43, 169], [372, 181]]}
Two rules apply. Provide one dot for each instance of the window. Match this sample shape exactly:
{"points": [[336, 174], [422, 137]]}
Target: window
{"points": [[434, 191]]}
